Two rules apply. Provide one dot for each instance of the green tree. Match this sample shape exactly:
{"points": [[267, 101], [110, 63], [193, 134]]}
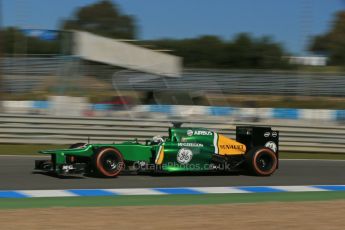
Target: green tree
{"points": [[15, 42], [243, 51], [240, 51], [332, 43], [102, 18], [12, 36]]}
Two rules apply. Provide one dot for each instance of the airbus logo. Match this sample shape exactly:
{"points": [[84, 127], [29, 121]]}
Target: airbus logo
{"points": [[202, 133], [198, 133]]}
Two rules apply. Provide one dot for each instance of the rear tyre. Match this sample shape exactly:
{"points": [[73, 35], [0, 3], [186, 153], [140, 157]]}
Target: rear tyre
{"points": [[262, 161], [108, 162]]}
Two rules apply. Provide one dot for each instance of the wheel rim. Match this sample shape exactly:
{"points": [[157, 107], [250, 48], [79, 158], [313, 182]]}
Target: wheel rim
{"points": [[265, 162], [109, 162]]}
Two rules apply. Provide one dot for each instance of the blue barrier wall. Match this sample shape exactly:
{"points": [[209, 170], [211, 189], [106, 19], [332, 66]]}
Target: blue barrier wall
{"points": [[40, 104], [161, 109], [280, 113], [340, 115], [178, 110], [220, 111]]}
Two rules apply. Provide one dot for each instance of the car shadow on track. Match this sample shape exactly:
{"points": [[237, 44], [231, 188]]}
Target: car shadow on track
{"points": [[149, 174], [188, 174], [52, 174]]}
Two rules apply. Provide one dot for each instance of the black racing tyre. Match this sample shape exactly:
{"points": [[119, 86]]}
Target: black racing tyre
{"points": [[262, 161], [108, 162]]}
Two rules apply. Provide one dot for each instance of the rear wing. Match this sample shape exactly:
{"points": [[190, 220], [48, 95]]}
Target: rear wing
{"points": [[254, 136]]}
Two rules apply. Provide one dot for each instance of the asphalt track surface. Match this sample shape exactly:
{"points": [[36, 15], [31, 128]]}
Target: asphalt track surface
{"points": [[16, 173]]}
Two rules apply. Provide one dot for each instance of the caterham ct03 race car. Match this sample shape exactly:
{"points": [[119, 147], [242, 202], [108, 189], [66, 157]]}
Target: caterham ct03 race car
{"points": [[184, 149]]}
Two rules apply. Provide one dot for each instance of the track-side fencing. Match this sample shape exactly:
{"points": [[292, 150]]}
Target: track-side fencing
{"points": [[23, 74], [295, 136]]}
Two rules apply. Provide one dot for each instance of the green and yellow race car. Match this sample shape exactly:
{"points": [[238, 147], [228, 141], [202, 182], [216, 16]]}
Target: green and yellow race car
{"points": [[184, 149]]}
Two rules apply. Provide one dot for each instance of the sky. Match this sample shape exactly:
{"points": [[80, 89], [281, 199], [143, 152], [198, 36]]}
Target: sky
{"points": [[288, 22]]}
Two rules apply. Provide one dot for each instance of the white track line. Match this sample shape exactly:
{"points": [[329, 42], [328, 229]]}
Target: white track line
{"points": [[134, 191], [46, 193], [215, 190], [294, 188]]}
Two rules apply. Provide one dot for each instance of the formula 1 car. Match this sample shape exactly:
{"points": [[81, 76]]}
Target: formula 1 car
{"points": [[255, 150]]}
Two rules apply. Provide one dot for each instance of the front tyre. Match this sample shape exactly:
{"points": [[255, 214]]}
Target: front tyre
{"points": [[108, 162], [262, 161]]}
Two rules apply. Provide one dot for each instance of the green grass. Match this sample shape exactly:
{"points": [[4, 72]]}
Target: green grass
{"points": [[168, 200], [26, 149]]}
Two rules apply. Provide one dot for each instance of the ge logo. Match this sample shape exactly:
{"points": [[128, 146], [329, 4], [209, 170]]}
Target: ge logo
{"points": [[184, 156], [271, 145]]}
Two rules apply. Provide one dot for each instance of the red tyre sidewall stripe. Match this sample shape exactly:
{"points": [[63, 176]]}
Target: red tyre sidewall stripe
{"points": [[100, 166], [273, 166]]}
